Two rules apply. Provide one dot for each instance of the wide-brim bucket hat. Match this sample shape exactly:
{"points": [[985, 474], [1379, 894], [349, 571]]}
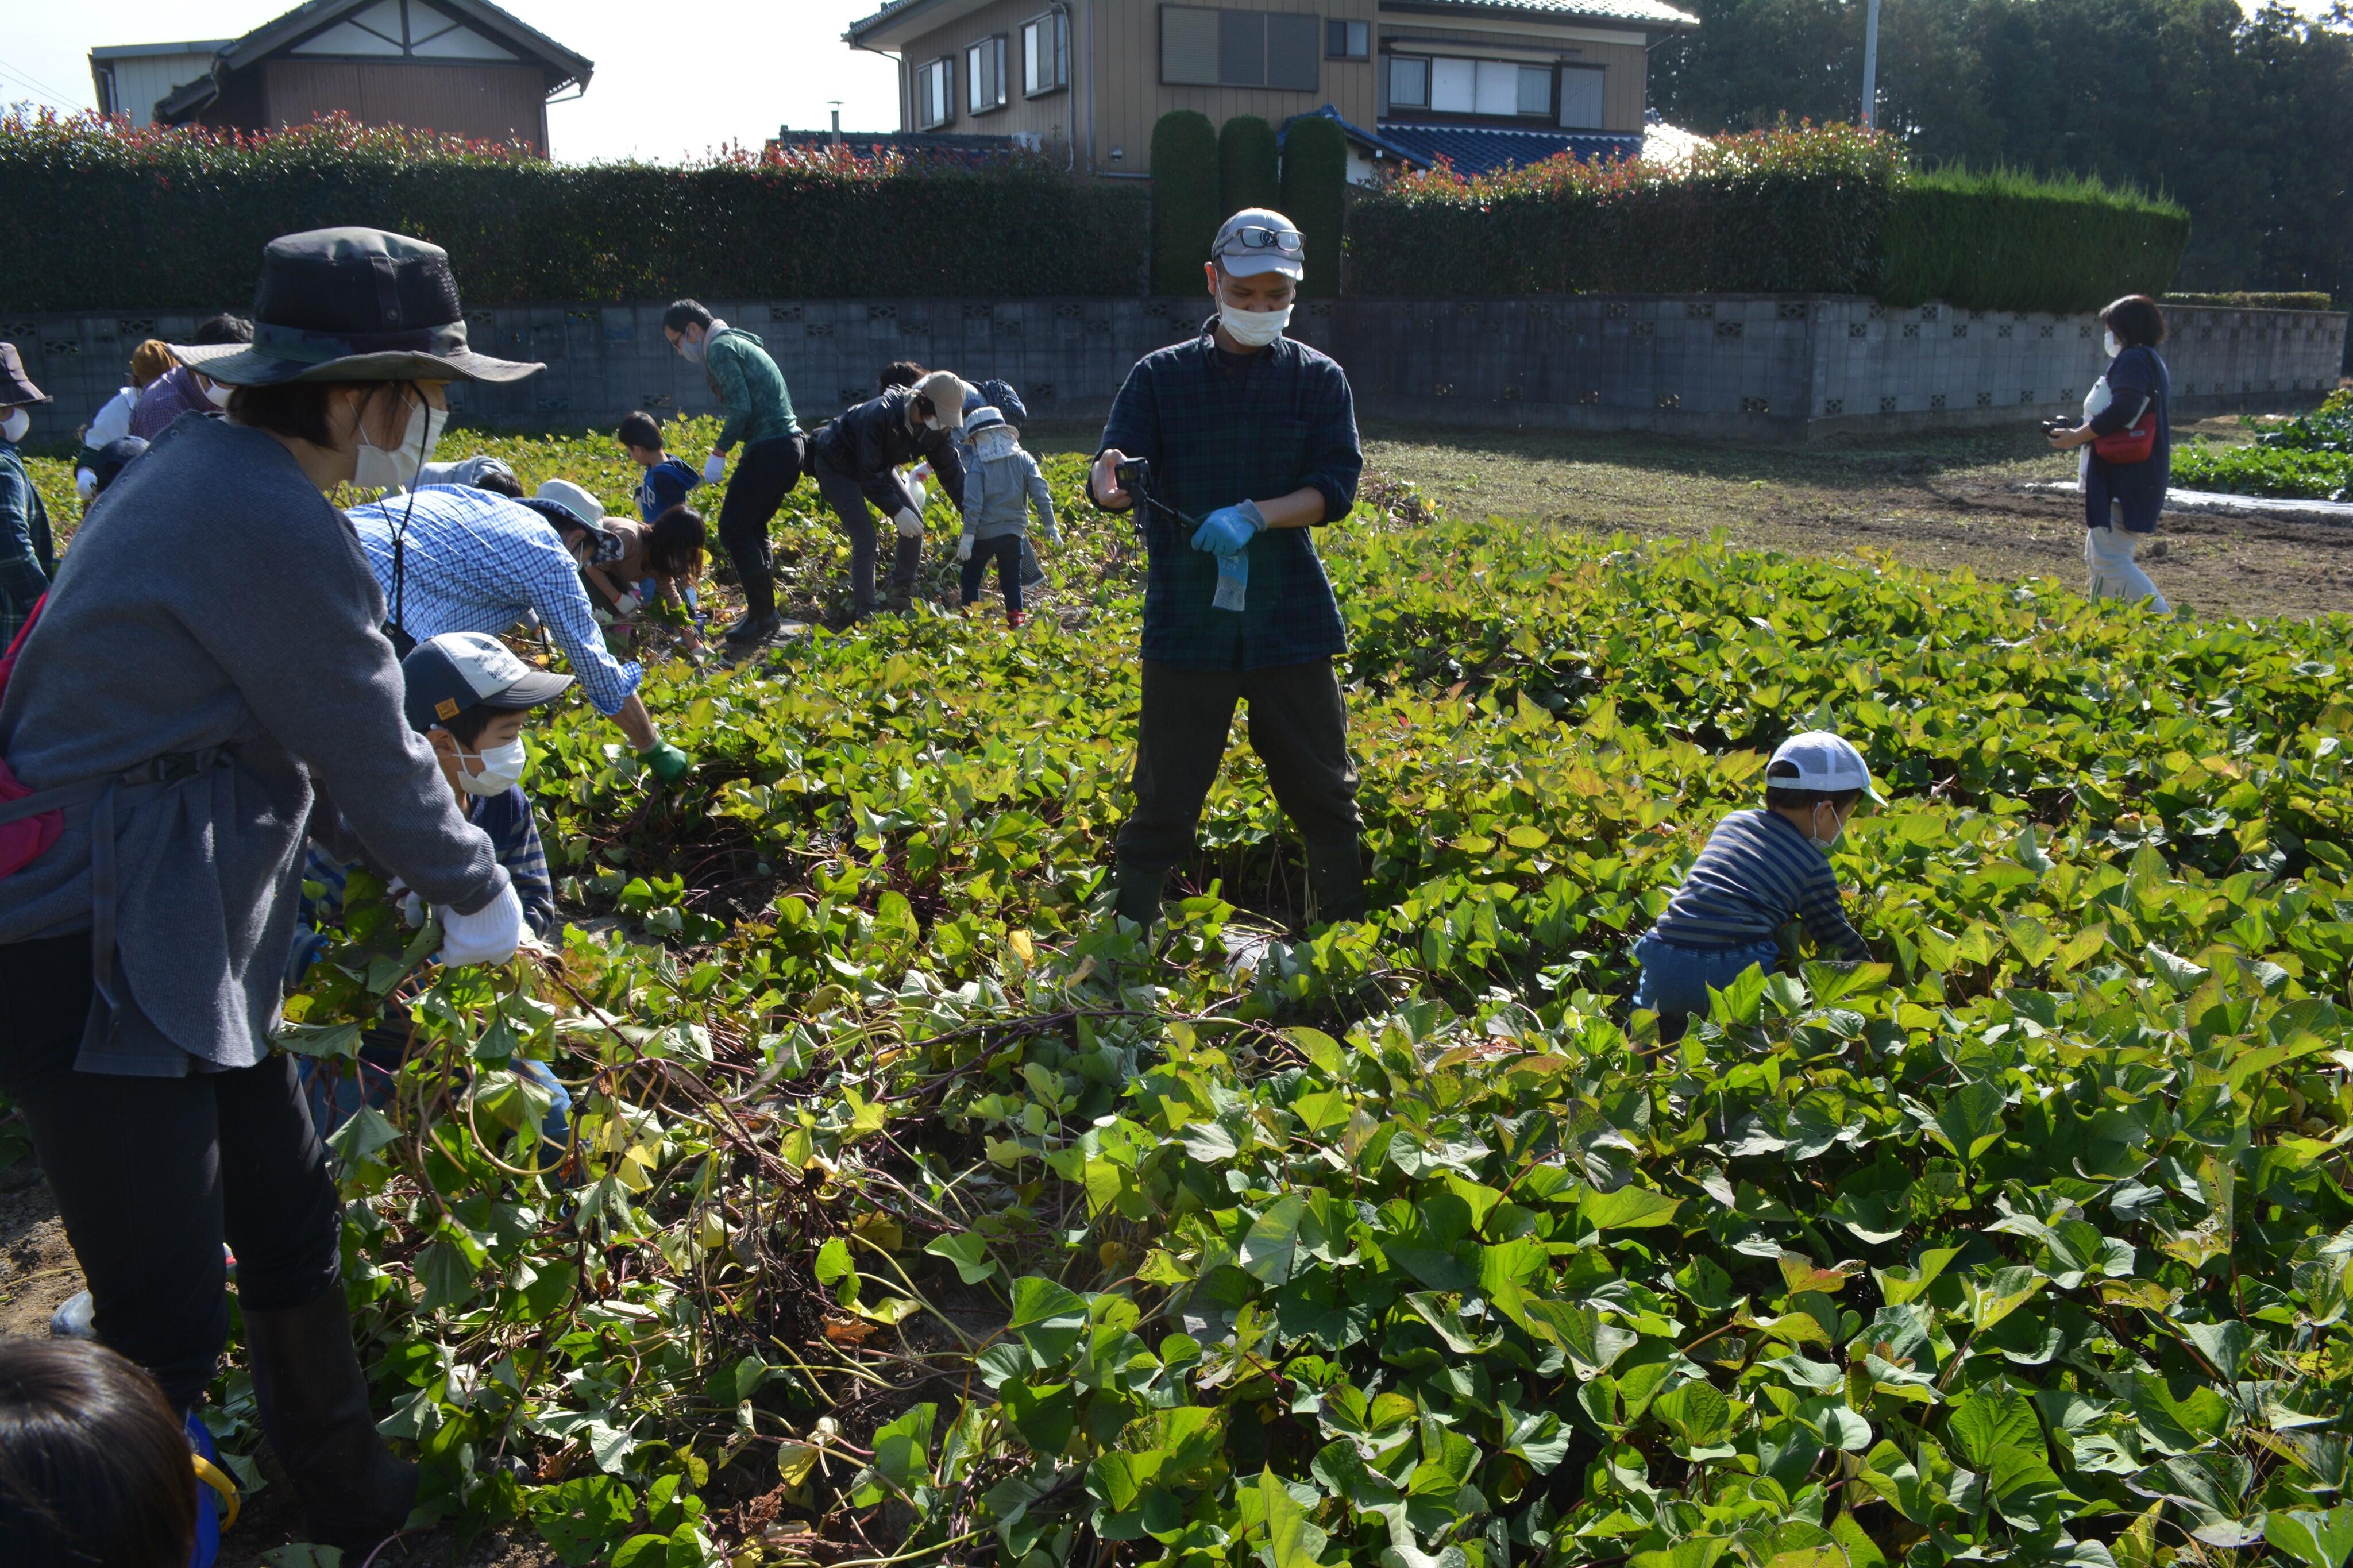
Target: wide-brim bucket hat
{"points": [[17, 388], [353, 304]]}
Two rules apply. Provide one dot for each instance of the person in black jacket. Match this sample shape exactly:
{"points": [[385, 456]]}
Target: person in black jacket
{"points": [[856, 459]]}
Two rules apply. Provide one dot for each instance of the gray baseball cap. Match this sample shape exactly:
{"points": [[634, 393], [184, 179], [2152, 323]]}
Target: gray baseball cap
{"points": [[1259, 239]]}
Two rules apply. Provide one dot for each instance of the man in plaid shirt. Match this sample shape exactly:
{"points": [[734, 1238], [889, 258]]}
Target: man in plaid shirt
{"points": [[1251, 439]]}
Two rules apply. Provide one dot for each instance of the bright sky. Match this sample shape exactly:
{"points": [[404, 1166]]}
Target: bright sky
{"points": [[673, 77]]}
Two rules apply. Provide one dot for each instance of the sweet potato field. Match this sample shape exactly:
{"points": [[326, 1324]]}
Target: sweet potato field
{"points": [[917, 1212]]}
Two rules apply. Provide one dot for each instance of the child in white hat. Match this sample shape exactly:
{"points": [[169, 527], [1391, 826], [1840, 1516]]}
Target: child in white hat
{"points": [[1759, 870], [1001, 487]]}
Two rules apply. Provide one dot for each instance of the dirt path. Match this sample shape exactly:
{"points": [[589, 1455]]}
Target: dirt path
{"points": [[1949, 502]]}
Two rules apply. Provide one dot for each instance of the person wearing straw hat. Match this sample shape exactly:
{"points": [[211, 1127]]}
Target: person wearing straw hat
{"points": [[27, 557], [454, 558], [182, 717]]}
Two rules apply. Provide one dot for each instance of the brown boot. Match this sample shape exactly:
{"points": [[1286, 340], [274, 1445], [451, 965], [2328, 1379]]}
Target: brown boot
{"points": [[314, 1408]]}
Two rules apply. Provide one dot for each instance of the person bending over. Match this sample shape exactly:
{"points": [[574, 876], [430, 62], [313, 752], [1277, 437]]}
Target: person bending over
{"points": [[759, 415], [857, 458], [1759, 870]]}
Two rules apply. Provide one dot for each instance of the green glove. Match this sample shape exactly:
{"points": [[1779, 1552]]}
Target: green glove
{"points": [[667, 763]]}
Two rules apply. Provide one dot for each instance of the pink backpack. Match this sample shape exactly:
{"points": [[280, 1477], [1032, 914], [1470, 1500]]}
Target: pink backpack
{"points": [[26, 829]]}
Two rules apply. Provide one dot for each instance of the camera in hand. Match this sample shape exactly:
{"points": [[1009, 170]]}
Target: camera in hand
{"points": [[2056, 426], [1134, 475]]}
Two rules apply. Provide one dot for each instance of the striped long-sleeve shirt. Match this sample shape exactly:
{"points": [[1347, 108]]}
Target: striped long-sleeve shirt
{"points": [[1758, 871]]}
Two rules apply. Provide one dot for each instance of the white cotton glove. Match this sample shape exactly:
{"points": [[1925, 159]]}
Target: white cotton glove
{"points": [[963, 547], [412, 907], [85, 485], [911, 523], [714, 469], [628, 604], [487, 936]]}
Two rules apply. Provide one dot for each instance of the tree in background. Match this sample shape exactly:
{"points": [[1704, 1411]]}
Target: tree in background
{"points": [[1314, 195], [2243, 119], [1246, 165], [1185, 208]]}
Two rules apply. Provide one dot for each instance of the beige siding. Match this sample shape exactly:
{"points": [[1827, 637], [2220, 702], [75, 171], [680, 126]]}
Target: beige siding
{"points": [[1047, 115], [1130, 98], [488, 102]]}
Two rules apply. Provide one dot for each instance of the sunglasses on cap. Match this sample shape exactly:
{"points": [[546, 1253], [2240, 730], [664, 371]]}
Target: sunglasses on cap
{"points": [[1258, 237]]}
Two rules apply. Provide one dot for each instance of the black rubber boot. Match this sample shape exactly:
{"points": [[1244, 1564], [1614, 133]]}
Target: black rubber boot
{"points": [[906, 557], [1335, 882], [314, 1408], [759, 622], [1140, 890], [753, 629]]}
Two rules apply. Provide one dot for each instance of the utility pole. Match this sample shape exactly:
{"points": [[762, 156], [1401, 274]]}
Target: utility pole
{"points": [[1871, 66], [836, 109]]}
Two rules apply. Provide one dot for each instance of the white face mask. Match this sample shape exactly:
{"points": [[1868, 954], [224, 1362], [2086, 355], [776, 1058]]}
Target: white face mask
{"points": [[1252, 328], [218, 393], [502, 768], [13, 423], [378, 470], [690, 348], [2114, 347], [1838, 828]]}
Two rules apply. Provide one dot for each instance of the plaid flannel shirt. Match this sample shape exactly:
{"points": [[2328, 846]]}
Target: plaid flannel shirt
{"points": [[474, 562], [1215, 439]]}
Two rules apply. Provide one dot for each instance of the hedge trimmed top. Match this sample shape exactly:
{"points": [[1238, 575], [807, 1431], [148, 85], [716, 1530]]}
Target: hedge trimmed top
{"points": [[163, 220]]}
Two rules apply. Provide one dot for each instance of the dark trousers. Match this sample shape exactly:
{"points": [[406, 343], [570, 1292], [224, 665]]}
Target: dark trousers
{"points": [[153, 1174], [1297, 726], [1006, 551], [765, 475], [844, 492]]}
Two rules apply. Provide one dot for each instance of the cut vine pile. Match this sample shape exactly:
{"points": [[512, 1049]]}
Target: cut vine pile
{"points": [[918, 1211]]}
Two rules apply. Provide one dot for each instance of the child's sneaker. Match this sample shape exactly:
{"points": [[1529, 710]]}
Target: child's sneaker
{"points": [[1016, 617]]}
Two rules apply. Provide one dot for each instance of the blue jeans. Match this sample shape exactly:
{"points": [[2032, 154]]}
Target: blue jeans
{"points": [[1675, 980]]}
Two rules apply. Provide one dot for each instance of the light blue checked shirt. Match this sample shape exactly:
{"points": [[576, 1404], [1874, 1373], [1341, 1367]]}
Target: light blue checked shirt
{"points": [[475, 561]]}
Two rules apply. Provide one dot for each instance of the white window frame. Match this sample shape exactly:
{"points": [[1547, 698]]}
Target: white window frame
{"points": [[986, 90], [1055, 29], [1356, 35], [940, 74], [1467, 80]]}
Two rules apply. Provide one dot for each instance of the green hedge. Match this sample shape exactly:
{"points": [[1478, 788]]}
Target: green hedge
{"points": [[1184, 210], [1314, 197], [2256, 300], [1770, 212], [146, 220], [1827, 209], [2005, 241], [1247, 166]]}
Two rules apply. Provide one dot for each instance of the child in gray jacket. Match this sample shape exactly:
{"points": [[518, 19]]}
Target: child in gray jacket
{"points": [[1001, 484]]}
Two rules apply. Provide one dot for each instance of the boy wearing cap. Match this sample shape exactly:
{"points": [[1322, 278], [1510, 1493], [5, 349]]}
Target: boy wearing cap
{"points": [[1251, 439], [27, 558], [1759, 870], [999, 488]]}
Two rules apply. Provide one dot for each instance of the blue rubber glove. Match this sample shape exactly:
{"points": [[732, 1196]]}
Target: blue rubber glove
{"points": [[1233, 581], [1229, 530]]}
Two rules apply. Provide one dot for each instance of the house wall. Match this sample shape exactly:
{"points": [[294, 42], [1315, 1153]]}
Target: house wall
{"points": [[1130, 98], [1769, 367], [1047, 116], [486, 102], [1625, 90], [141, 80]]}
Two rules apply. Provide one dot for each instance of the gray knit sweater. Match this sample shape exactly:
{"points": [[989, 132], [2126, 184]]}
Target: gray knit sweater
{"points": [[213, 598]]}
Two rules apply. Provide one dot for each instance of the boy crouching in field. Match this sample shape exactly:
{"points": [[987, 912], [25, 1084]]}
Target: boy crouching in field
{"points": [[1758, 871], [471, 697]]}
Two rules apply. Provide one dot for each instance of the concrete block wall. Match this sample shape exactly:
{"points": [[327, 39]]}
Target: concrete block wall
{"points": [[1766, 367]]}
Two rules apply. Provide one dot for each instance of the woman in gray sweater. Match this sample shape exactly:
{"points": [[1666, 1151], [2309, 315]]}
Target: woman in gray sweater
{"points": [[205, 682]]}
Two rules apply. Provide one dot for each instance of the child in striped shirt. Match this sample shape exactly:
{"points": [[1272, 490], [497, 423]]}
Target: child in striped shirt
{"points": [[1759, 870]]}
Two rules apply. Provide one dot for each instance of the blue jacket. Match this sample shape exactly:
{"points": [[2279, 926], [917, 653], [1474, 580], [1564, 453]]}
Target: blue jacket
{"points": [[2136, 379], [666, 485]]}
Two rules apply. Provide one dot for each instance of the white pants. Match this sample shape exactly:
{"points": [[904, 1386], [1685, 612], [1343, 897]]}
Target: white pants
{"points": [[2108, 552]]}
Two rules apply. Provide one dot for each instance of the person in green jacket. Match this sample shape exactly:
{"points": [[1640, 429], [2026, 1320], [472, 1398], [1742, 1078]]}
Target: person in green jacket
{"points": [[759, 415], [27, 558]]}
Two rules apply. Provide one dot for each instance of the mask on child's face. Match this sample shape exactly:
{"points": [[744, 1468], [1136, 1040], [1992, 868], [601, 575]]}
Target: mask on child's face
{"points": [[1837, 825], [502, 768]]}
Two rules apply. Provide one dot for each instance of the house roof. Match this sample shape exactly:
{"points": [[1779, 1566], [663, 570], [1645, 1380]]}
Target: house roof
{"points": [[1479, 149], [1355, 133], [899, 20], [1653, 14], [149, 51], [561, 66]]}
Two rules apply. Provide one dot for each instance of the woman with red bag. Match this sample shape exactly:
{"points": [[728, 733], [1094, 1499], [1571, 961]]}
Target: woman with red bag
{"points": [[2127, 439]]}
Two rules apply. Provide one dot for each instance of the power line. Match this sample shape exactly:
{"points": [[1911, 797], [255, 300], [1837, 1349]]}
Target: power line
{"points": [[78, 100]]}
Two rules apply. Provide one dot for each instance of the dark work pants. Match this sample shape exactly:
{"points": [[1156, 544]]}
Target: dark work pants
{"points": [[1298, 727], [153, 1174], [1006, 551], [765, 475], [844, 493]]}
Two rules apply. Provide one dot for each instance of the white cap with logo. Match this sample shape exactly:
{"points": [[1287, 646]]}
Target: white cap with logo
{"points": [[1818, 760]]}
